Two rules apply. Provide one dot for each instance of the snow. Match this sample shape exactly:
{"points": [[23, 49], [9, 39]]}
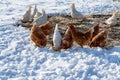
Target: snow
{"points": [[21, 60]]}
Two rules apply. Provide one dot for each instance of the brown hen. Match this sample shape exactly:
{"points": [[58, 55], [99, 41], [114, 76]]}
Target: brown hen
{"points": [[67, 40], [38, 37], [46, 28], [79, 37], [100, 39]]}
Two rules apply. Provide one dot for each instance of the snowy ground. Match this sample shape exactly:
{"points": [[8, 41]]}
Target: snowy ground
{"points": [[20, 60]]}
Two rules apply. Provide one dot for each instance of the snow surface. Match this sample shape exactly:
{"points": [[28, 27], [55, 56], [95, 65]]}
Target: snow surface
{"points": [[21, 60]]}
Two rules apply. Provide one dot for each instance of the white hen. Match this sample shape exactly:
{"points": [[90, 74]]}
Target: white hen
{"points": [[112, 20], [27, 15], [41, 19], [35, 14], [75, 13], [57, 38]]}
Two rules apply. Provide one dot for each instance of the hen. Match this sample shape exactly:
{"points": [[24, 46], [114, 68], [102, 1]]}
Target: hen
{"points": [[41, 19], [67, 40], [79, 37], [27, 15], [112, 21], [57, 38], [75, 14], [35, 14], [46, 28], [38, 37], [100, 39]]}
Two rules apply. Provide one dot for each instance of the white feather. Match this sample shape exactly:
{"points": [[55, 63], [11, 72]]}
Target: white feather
{"points": [[41, 19], [75, 13], [57, 37]]}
